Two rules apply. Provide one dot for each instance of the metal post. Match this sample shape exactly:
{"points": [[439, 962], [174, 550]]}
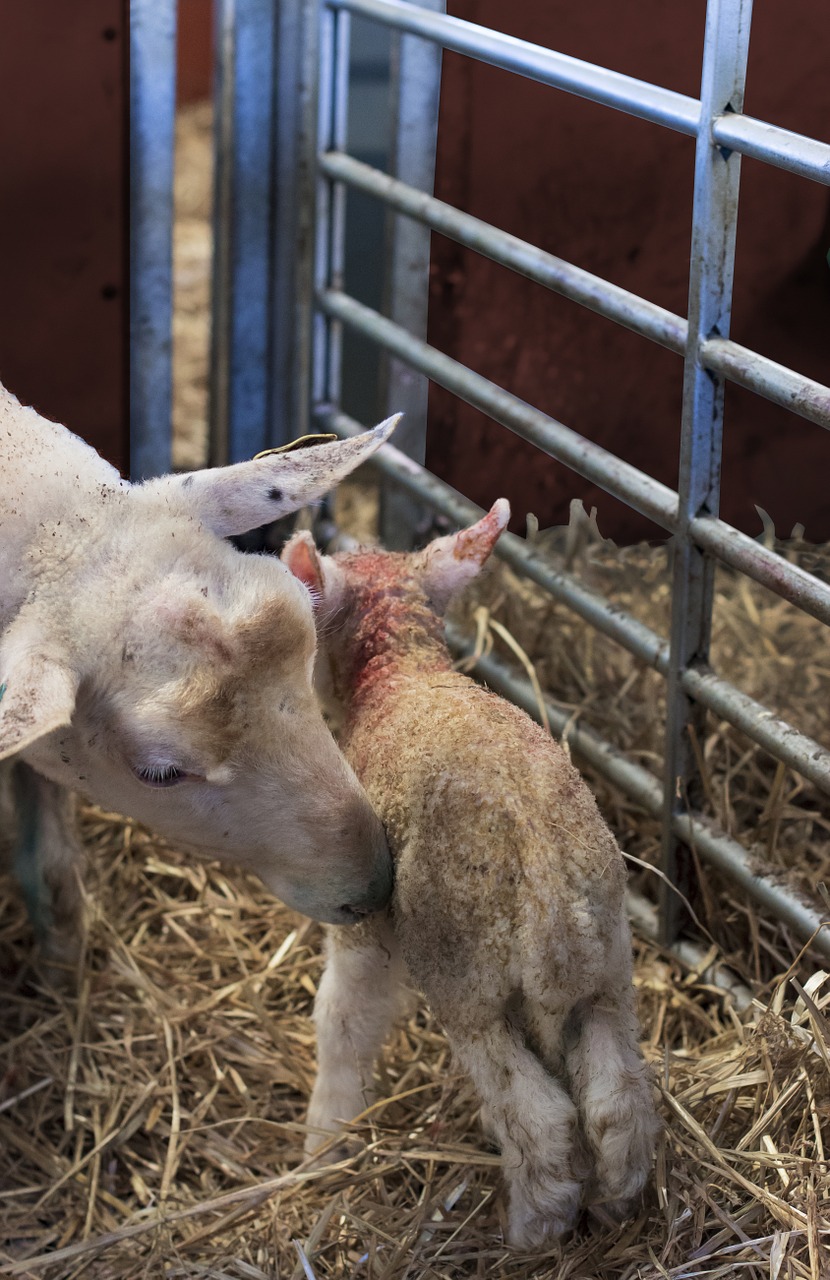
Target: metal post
{"points": [[297, 75], [243, 218], [416, 84], [322, 325], [152, 130], [714, 222]]}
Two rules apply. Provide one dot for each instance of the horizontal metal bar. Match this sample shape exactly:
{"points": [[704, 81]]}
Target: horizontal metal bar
{"points": [[612, 474], [748, 368], [643, 916], [597, 84], [615, 623], [794, 152], [767, 567], [714, 847], [774, 735], [598, 295], [616, 477], [773, 381]]}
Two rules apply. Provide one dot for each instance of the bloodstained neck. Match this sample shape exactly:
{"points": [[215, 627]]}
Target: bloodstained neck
{"points": [[392, 632]]}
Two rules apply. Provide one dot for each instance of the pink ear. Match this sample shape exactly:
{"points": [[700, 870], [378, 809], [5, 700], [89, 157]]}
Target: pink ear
{"points": [[477, 542], [301, 556], [450, 563]]}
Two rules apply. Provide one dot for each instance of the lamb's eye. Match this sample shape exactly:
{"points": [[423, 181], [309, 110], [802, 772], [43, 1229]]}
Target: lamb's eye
{"points": [[163, 775]]}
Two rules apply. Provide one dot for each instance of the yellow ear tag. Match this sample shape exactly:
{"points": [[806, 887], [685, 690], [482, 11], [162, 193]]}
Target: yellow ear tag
{"points": [[303, 442]]}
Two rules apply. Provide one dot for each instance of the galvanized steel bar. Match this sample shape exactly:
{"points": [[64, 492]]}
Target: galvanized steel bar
{"points": [[775, 735], [749, 369], [735, 548], [597, 84], [767, 142], [416, 83], [807, 157], [242, 228], [341, 35], [713, 846], [714, 228], [152, 130], [774, 381], [322, 323], [619, 478], [740, 551], [294, 218], [693, 956], [614, 622], [598, 295]]}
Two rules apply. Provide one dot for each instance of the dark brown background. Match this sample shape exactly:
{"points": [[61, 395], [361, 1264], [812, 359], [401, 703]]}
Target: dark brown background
{"points": [[613, 195], [63, 214]]}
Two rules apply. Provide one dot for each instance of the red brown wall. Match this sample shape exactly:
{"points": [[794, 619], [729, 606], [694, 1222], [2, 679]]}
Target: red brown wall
{"points": [[63, 217], [613, 195], [194, 69]]}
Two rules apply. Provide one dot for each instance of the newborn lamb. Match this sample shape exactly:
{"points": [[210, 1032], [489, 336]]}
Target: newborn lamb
{"points": [[508, 910]]}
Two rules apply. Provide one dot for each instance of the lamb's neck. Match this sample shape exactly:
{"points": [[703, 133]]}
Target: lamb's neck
{"points": [[394, 636]]}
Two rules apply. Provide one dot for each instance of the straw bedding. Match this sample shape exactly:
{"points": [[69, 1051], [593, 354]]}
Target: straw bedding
{"points": [[151, 1115]]}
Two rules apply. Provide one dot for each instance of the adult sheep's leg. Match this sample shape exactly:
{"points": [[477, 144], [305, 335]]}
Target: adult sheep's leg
{"points": [[533, 1120], [47, 858], [358, 998]]}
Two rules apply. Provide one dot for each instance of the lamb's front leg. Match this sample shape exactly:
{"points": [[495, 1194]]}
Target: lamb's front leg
{"points": [[358, 998], [47, 859]]}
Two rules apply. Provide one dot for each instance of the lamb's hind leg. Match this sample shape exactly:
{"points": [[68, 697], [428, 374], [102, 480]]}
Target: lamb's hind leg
{"points": [[613, 1089], [357, 1000], [533, 1120]]}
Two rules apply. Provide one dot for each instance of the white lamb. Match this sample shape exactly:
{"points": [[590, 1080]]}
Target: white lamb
{"points": [[508, 907]]}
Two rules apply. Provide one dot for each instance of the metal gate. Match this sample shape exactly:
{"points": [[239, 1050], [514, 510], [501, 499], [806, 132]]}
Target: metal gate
{"points": [[280, 310]]}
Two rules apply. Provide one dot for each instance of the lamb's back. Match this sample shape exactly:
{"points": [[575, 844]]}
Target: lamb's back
{"points": [[500, 848]]}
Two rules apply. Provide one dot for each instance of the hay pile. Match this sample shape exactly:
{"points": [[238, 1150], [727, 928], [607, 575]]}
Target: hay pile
{"points": [[152, 1123]]}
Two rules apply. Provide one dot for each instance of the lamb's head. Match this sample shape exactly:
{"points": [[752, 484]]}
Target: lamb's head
{"points": [[174, 684], [373, 603]]}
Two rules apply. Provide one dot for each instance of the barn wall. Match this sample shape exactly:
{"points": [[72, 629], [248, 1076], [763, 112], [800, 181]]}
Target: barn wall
{"points": [[613, 195], [63, 228]]}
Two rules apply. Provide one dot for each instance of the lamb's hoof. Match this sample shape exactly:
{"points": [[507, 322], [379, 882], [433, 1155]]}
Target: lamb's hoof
{"points": [[533, 1225], [617, 1210]]}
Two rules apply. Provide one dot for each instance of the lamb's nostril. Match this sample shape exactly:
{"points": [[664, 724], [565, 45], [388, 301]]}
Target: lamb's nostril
{"points": [[359, 913]]}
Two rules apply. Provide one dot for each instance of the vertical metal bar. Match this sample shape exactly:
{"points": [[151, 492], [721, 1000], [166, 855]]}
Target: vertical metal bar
{"points": [[297, 79], [416, 79], [339, 136], [322, 235], [243, 219], [152, 133], [714, 223]]}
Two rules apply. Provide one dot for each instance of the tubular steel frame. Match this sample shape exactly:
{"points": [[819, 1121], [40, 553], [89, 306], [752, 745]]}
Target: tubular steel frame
{"points": [[281, 210]]}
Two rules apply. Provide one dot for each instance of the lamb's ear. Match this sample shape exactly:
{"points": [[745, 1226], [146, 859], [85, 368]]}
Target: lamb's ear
{"points": [[233, 500], [37, 695], [448, 564], [301, 556], [318, 573]]}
